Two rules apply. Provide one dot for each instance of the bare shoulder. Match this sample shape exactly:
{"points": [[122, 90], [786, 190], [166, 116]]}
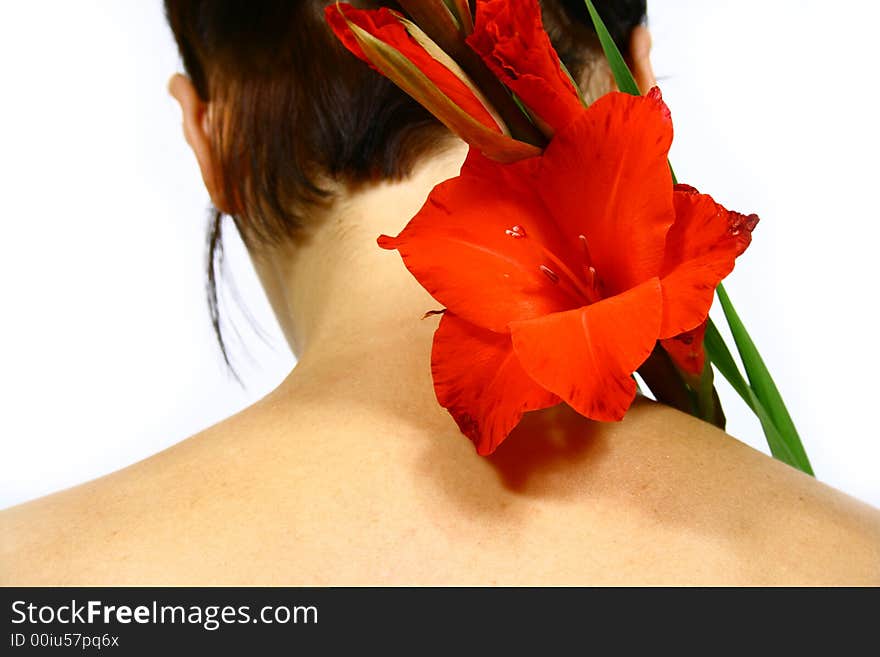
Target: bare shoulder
{"points": [[667, 499], [147, 523]]}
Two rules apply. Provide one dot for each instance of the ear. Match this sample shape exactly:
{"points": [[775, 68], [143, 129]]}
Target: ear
{"points": [[640, 58], [196, 130]]}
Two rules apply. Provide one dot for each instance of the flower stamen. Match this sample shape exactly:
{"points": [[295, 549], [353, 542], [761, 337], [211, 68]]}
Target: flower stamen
{"points": [[575, 285], [549, 273], [586, 248], [591, 276]]}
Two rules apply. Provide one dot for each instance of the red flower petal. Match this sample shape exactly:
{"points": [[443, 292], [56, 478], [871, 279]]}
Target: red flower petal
{"points": [[701, 249], [479, 380], [586, 356], [509, 36], [384, 25], [687, 350], [479, 244], [607, 177]]}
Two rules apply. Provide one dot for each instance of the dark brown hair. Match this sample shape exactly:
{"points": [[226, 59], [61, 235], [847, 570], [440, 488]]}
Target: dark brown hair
{"points": [[294, 110]]}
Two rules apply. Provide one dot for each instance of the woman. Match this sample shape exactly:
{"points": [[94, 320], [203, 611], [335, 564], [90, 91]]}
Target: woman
{"points": [[350, 472]]}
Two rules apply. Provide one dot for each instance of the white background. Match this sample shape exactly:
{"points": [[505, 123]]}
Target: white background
{"points": [[106, 352]]}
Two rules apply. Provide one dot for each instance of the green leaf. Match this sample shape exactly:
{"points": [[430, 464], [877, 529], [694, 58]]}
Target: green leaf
{"points": [[622, 76], [780, 448], [721, 357], [762, 384]]}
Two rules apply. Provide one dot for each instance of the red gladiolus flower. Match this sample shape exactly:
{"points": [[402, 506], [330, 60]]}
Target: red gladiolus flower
{"points": [[510, 38], [560, 273]]}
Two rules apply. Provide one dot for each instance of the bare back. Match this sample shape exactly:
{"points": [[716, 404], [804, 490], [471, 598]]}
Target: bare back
{"points": [[287, 493]]}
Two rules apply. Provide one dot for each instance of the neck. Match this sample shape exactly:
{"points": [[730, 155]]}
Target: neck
{"points": [[344, 304]]}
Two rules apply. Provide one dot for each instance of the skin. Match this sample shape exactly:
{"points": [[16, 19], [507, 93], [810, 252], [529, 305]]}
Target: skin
{"points": [[350, 473]]}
